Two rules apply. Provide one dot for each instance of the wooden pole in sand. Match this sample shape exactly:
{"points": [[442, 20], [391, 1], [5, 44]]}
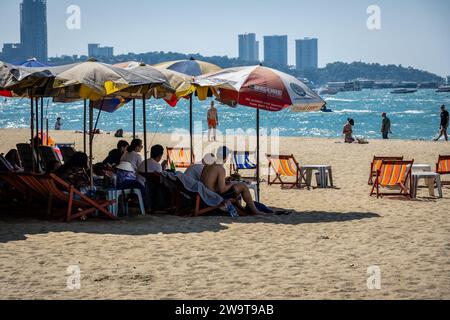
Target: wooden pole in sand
{"points": [[134, 119], [84, 128], [37, 134], [32, 133], [191, 128], [258, 173], [91, 140], [145, 132], [42, 121]]}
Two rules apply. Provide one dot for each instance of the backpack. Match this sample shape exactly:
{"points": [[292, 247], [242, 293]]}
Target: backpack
{"points": [[119, 133]]}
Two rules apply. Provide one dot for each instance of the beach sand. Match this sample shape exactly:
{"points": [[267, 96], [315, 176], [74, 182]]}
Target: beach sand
{"points": [[321, 251]]}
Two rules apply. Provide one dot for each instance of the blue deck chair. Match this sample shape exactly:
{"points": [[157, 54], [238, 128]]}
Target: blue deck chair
{"points": [[242, 161]]}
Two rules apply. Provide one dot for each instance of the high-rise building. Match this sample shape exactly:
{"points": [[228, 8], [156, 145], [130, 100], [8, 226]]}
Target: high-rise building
{"points": [[248, 47], [95, 51], [33, 29], [307, 54], [448, 80], [276, 50]]}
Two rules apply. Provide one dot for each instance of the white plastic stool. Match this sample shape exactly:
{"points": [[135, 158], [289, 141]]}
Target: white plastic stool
{"points": [[116, 194], [254, 187], [431, 177]]}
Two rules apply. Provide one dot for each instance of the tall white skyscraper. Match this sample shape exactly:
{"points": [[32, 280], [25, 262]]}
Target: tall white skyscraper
{"points": [[248, 47], [307, 54], [276, 50]]}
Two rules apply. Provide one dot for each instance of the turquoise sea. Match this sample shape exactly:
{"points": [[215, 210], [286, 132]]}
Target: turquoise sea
{"points": [[414, 116]]}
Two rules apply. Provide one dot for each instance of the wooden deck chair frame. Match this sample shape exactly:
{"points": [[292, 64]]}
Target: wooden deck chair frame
{"points": [[404, 189], [180, 164], [234, 166], [67, 152], [373, 169], [443, 171], [278, 177], [26, 157], [47, 154]]}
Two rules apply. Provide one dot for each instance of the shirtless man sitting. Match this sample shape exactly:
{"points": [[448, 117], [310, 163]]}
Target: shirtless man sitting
{"points": [[214, 178]]}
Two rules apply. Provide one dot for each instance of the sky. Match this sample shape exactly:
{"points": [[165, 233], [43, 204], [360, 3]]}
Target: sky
{"points": [[413, 32]]}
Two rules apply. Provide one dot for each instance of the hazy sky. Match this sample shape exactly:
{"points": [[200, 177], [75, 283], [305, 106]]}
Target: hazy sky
{"points": [[413, 32]]}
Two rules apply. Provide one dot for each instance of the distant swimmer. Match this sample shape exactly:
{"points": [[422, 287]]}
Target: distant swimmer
{"points": [[385, 126], [444, 124], [213, 122]]}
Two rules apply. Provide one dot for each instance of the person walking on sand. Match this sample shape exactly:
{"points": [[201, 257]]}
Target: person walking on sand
{"points": [[444, 124], [58, 124], [213, 122], [385, 126], [348, 131]]}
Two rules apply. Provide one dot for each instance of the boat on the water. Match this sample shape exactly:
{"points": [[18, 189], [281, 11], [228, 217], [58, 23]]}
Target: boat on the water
{"points": [[327, 91], [403, 91], [443, 89]]}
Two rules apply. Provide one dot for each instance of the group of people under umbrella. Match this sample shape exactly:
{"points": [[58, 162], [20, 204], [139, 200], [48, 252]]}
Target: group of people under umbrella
{"points": [[108, 87]]}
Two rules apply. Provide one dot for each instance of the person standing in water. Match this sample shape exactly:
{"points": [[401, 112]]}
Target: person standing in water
{"points": [[444, 124], [348, 131], [213, 122], [385, 126]]}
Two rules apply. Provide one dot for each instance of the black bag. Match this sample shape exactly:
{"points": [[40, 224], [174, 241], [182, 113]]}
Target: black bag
{"points": [[119, 133]]}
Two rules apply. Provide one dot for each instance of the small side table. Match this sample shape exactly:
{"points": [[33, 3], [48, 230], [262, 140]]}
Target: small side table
{"points": [[325, 173], [431, 178]]}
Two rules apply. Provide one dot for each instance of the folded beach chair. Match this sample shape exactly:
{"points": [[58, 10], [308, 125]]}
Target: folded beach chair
{"points": [[53, 189], [242, 161], [376, 165], [5, 166], [285, 166], [67, 152], [47, 154], [26, 157], [443, 167], [180, 157], [393, 175]]}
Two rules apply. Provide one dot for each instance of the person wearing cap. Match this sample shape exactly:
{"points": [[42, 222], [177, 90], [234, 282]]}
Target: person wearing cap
{"points": [[444, 124], [195, 171], [348, 131], [214, 178], [385, 126]]}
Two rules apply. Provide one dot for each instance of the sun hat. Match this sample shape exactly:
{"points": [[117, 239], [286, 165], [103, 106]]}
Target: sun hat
{"points": [[125, 166]]}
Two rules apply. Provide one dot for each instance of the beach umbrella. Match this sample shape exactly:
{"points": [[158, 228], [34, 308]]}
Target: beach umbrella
{"points": [[263, 89], [96, 81], [193, 68], [32, 63]]}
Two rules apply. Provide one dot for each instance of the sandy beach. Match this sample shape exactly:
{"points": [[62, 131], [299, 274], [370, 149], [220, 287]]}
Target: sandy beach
{"points": [[321, 251]]}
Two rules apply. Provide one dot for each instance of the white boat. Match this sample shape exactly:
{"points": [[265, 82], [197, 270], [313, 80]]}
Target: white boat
{"points": [[403, 91], [443, 89]]}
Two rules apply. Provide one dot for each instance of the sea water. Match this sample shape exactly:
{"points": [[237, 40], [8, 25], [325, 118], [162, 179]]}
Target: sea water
{"points": [[413, 116]]}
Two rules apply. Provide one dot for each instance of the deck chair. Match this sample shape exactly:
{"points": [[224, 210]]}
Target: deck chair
{"points": [[376, 165], [54, 189], [180, 157], [393, 175], [48, 154], [26, 157], [241, 161], [5, 166], [285, 166], [67, 152], [443, 167]]}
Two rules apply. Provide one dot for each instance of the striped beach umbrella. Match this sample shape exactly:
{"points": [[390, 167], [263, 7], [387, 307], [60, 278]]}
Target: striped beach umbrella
{"points": [[263, 89]]}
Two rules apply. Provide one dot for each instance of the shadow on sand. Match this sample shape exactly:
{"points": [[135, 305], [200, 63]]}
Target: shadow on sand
{"points": [[14, 229]]}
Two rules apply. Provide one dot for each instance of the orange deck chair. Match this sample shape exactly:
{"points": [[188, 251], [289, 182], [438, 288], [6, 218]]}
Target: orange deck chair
{"points": [[393, 174], [285, 166], [376, 165], [443, 167], [54, 189], [180, 157]]}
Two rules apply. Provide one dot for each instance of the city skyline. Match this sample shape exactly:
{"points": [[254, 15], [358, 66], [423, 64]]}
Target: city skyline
{"points": [[341, 29]]}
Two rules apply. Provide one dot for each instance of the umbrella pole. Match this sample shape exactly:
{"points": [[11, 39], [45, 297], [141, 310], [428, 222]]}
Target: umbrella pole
{"points": [[84, 127], [191, 128], [258, 173], [37, 134], [42, 121], [134, 119], [46, 129], [32, 133], [144, 115], [91, 139]]}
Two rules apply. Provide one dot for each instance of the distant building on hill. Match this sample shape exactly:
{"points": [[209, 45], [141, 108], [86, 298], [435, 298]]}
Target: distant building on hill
{"points": [[307, 54], [33, 34], [248, 47], [276, 50], [95, 51]]}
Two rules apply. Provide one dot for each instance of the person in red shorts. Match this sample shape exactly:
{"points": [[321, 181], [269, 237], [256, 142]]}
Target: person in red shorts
{"points": [[213, 122]]}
